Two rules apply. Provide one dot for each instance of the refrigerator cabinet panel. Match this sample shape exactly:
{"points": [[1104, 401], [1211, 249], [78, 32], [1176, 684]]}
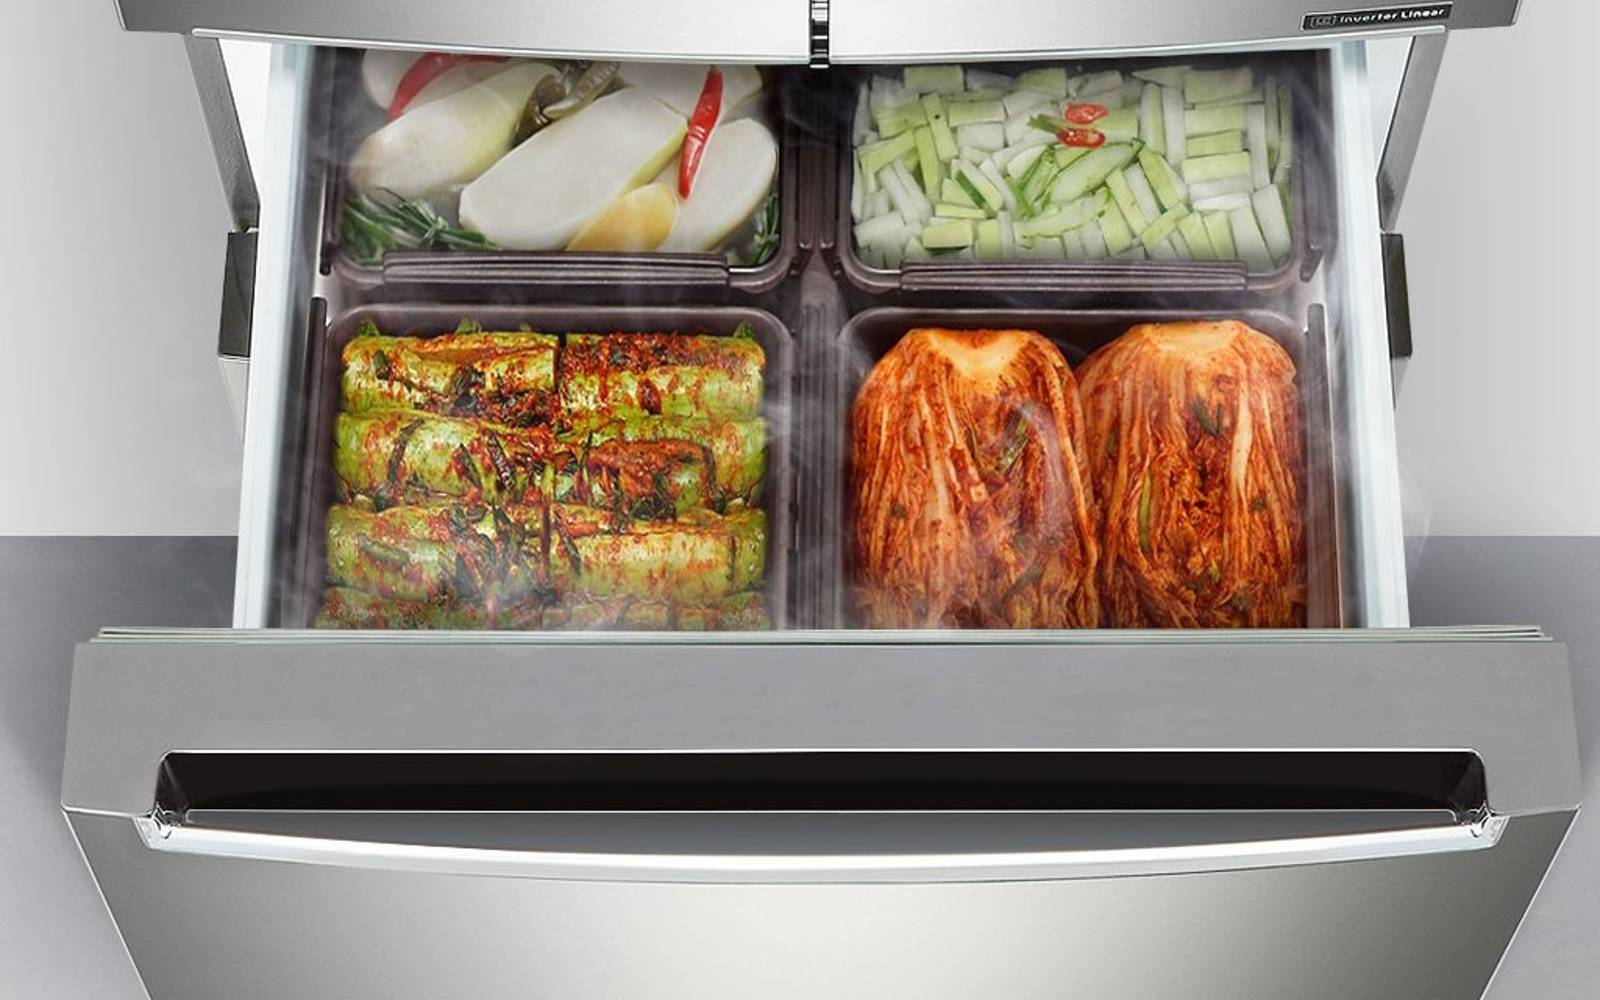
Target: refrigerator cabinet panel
{"points": [[293, 816]]}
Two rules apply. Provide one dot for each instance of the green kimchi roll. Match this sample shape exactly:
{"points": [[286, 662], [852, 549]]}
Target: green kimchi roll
{"points": [[347, 607], [735, 449], [738, 613], [506, 377], [492, 556], [403, 456], [621, 375], [700, 557]]}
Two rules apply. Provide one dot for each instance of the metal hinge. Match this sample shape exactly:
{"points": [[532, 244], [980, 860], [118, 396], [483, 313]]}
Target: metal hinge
{"points": [[819, 34]]}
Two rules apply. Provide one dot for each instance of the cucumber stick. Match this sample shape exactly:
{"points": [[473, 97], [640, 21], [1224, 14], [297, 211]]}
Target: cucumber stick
{"points": [[1255, 132], [944, 139], [1143, 194], [928, 163], [950, 234], [978, 187], [1248, 241], [880, 154], [1050, 80], [1206, 121], [1163, 227], [976, 113], [955, 194], [1268, 205], [935, 79], [1216, 144], [945, 210], [986, 240], [1220, 229], [1152, 120], [1193, 228], [1205, 86], [1165, 76], [1169, 187], [1122, 193], [1089, 171], [1198, 170], [1114, 227]]}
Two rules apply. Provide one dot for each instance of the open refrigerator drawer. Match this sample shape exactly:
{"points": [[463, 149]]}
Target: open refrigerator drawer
{"points": [[975, 529]]}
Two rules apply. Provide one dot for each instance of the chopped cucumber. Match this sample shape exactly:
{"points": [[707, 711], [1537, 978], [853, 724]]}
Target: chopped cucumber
{"points": [[1121, 125], [986, 240], [1072, 243], [975, 113], [1166, 76], [1247, 239], [955, 194], [1163, 250], [1090, 170], [1255, 95], [898, 118], [993, 175], [885, 151], [947, 234], [1203, 86], [1173, 123], [1169, 187], [1152, 121], [1115, 229], [1008, 239], [915, 250], [1268, 203], [944, 140], [858, 192], [1149, 206], [946, 210], [1135, 252], [1050, 80], [989, 136], [1270, 93], [977, 93], [1198, 170], [1161, 228], [978, 187], [1094, 241], [1022, 161], [1066, 217], [1206, 190], [935, 79], [1206, 121], [1217, 144], [1122, 191], [1220, 229], [1193, 228], [928, 163], [1255, 131], [1044, 248]]}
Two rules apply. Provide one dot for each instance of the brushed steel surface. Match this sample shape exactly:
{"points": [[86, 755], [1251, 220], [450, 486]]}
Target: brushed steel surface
{"points": [[136, 699], [776, 31], [914, 30], [1430, 927]]}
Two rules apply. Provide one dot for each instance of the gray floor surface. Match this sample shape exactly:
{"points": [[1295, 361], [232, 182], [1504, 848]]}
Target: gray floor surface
{"points": [[56, 940]]}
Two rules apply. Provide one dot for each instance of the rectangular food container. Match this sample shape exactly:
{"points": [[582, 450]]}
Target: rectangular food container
{"points": [[505, 274], [308, 481], [1307, 73], [869, 335]]}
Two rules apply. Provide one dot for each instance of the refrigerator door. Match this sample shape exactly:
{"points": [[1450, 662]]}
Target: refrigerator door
{"points": [[1142, 817], [728, 30], [866, 31]]}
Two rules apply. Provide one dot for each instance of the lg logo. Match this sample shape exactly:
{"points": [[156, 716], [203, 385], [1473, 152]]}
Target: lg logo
{"points": [[1315, 21]]}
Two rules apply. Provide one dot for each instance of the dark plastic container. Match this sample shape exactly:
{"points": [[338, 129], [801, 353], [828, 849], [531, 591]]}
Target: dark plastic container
{"points": [[868, 336], [1307, 74], [519, 274], [308, 477]]}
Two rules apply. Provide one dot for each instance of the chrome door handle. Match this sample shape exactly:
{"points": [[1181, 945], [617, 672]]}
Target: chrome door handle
{"points": [[1481, 833]]}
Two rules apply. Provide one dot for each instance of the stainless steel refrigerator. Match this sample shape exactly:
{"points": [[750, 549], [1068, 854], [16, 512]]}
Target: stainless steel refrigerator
{"points": [[870, 499]]}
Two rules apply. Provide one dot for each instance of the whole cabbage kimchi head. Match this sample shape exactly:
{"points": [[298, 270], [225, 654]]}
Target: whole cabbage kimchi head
{"points": [[971, 501], [1198, 464]]}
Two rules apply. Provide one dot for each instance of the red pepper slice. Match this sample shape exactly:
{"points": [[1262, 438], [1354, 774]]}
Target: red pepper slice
{"points": [[704, 119], [1088, 138], [426, 70], [1085, 114]]}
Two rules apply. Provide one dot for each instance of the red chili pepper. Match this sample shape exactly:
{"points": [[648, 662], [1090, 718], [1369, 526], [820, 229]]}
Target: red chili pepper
{"points": [[1088, 138], [426, 70], [1085, 114], [704, 119]]}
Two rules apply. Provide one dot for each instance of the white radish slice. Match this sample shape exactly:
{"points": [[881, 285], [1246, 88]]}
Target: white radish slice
{"points": [[736, 173], [540, 194], [637, 222], [455, 79], [1172, 112], [381, 73], [678, 85], [449, 141], [1256, 138]]}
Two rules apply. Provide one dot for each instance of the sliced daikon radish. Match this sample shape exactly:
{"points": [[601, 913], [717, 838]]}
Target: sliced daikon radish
{"points": [[992, 173], [858, 192], [1087, 86], [915, 250], [988, 137], [1268, 203], [1044, 248], [983, 79], [1209, 121], [1027, 102], [1206, 190], [678, 85], [1176, 134], [1121, 125], [736, 173], [862, 123], [548, 188], [1270, 94], [878, 203], [381, 73], [1166, 76], [881, 231], [1152, 120], [453, 79], [1255, 132], [1180, 244], [1247, 239], [452, 140], [1008, 238], [637, 222], [1163, 250], [1051, 80]]}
